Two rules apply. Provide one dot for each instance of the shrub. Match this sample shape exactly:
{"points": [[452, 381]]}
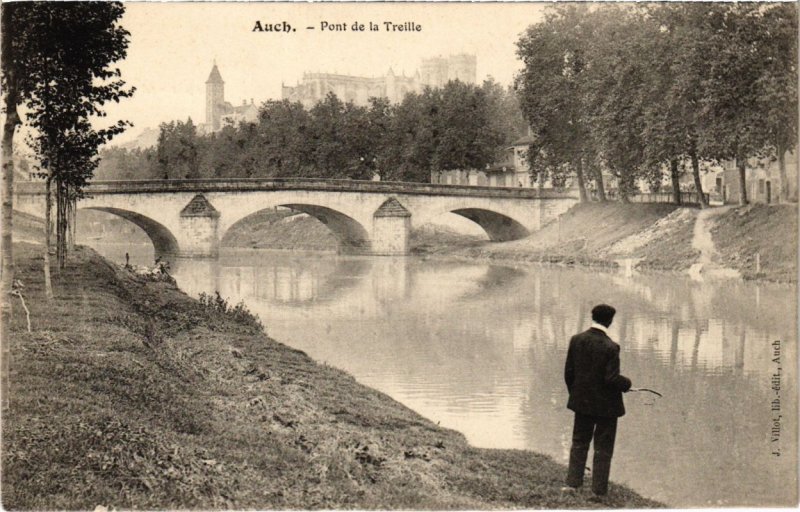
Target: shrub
{"points": [[239, 313]]}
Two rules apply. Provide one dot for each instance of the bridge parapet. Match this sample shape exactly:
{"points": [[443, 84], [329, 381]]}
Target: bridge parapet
{"points": [[309, 184]]}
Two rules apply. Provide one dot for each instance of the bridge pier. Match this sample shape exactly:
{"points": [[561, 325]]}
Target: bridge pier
{"points": [[199, 235], [391, 229]]}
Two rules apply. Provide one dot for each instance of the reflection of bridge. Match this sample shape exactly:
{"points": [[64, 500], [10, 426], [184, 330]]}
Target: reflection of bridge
{"points": [[190, 217]]}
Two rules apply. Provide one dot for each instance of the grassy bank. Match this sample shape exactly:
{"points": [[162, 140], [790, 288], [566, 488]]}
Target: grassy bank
{"points": [[283, 229], [28, 227], [597, 235], [270, 229], [130, 394], [768, 231], [658, 237]]}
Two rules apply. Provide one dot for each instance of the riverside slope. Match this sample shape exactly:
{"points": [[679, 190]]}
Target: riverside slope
{"points": [[130, 394], [656, 237]]}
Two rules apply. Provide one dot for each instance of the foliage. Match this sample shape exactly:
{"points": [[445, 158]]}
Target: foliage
{"points": [[640, 90], [176, 155], [116, 163], [550, 92], [750, 99], [238, 313], [60, 54], [460, 126]]}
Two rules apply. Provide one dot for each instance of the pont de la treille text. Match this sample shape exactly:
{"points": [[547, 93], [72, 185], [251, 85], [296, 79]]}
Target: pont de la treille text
{"points": [[327, 26]]}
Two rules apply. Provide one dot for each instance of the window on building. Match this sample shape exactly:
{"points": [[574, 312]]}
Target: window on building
{"points": [[760, 186]]}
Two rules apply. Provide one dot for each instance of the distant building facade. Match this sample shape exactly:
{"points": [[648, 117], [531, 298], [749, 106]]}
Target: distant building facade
{"points": [[433, 72], [762, 179], [220, 112], [510, 170]]}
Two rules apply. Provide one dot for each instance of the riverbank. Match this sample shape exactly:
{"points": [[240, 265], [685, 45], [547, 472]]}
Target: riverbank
{"points": [[130, 394], [654, 237]]}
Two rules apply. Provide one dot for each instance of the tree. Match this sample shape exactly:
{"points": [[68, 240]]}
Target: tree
{"points": [[411, 139], [467, 135], [749, 60], [45, 47], [284, 131], [176, 152], [67, 147], [778, 83], [379, 119], [362, 134], [505, 113], [15, 85], [343, 141], [671, 88], [550, 91], [117, 163], [73, 82]]}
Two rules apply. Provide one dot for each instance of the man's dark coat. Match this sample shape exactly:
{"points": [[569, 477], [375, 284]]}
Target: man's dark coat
{"points": [[592, 375]]}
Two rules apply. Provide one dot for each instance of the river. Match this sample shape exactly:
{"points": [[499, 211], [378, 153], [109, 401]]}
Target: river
{"points": [[480, 348]]}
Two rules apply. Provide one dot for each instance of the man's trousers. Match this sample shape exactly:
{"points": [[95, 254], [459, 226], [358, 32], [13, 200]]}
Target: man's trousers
{"points": [[604, 431]]}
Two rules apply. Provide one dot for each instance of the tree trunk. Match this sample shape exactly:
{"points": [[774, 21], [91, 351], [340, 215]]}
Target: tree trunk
{"points": [[6, 224], [48, 221], [72, 219], [623, 189], [581, 184], [741, 163], [782, 169], [601, 188], [698, 185], [61, 224], [676, 181]]}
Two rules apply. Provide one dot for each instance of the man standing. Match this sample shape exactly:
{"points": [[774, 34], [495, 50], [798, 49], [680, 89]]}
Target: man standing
{"points": [[595, 394]]}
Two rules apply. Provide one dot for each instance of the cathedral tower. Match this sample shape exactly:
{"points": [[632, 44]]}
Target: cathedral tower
{"points": [[215, 98]]}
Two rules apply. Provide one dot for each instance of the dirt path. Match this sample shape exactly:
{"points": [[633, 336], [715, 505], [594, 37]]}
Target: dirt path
{"points": [[702, 241]]}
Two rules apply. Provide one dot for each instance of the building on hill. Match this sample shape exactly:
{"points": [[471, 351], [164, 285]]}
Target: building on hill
{"points": [[357, 89], [437, 71], [433, 72], [220, 112]]}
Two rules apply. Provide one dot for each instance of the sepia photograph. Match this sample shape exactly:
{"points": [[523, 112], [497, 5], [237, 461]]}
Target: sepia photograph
{"points": [[398, 255]]}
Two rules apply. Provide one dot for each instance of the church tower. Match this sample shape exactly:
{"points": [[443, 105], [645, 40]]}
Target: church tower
{"points": [[215, 98]]}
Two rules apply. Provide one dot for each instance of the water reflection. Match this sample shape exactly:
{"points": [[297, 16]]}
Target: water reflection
{"points": [[293, 283], [481, 349]]}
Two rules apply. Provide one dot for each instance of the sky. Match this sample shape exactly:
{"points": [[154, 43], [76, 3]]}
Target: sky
{"points": [[173, 46]]}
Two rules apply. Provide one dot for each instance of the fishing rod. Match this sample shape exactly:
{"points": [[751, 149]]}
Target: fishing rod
{"points": [[647, 390]]}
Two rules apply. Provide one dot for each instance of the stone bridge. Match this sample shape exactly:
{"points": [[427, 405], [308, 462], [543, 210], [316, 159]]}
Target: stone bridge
{"points": [[188, 218]]}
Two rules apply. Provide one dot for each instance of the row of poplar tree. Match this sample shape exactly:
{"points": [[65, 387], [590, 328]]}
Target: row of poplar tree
{"points": [[638, 91]]}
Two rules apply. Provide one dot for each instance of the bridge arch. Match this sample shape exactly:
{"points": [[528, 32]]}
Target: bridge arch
{"points": [[499, 227], [352, 236], [164, 242]]}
